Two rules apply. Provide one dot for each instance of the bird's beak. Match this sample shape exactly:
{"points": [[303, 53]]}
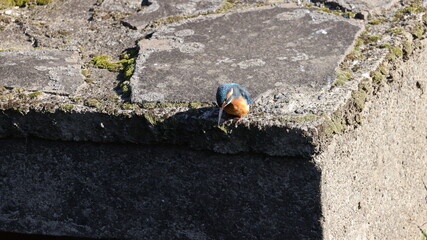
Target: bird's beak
{"points": [[221, 109], [219, 115]]}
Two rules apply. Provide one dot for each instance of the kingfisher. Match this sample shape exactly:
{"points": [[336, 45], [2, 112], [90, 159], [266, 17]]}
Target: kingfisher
{"points": [[234, 99]]}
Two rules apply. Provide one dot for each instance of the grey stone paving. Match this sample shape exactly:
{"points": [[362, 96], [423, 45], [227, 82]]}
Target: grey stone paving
{"points": [[262, 49], [153, 10], [366, 5], [43, 69]]}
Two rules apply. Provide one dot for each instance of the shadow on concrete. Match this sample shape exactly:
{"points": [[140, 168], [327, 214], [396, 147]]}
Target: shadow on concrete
{"points": [[19, 236], [155, 192], [196, 128]]}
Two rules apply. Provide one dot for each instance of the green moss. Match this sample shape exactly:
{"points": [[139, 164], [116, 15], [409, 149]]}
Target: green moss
{"points": [[342, 76], [2, 89], [86, 74], [92, 103], [423, 234], [35, 94], [373, 38], [227, 5], [414, 8], [358, 43], [354, 55], [103, 61], [128, 61], [359, 98], [394, 52], [395, 31], [376, 21], [76, 99], [300, 119], [223, 128], [22, 3], [163, 105], [151, 119], [67, 107], [408, 48], [377, 77], [335, 125], [308, 5], [196, 104], [383, 70], [129, 106], [417, 30]]}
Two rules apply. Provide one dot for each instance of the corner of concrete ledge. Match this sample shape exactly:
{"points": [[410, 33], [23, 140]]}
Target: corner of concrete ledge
{"points": [[304, 68]]}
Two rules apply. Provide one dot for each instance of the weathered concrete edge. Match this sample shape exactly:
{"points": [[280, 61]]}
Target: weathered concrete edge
{"points": [[99, 122], [143, 129]]}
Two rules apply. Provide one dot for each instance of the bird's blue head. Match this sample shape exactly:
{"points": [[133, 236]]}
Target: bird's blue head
{"points": [[225, 93]]}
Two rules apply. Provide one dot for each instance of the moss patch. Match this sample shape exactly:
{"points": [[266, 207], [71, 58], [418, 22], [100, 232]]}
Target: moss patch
{"points": [[22, 3], [342, 76], [408, 48], [35, 94], [67, 107], [335, 125], [394, 52], [226, 6], [104, 62], [301, 119], [414, 8], [92, 103], [377, 76], [376, 21], [417, 30], [395, 31]]}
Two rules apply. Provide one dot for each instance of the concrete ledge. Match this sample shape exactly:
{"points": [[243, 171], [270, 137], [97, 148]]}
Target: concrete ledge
{"points": [[335, 150]]}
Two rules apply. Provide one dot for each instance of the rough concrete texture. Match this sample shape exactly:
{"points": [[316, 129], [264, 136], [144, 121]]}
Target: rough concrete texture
{"points": [[154, 192], [154, 10], [374, 178], [293, 121], [260, 49], [330, 152], [45, 69], [367, 6]]}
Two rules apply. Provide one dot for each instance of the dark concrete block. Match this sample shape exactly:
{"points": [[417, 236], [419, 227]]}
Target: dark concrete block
{"points": [[155, 192]]}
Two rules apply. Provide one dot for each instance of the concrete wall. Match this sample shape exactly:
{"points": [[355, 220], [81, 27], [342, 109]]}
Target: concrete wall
{"points": [[154, 192], [374, 177]]}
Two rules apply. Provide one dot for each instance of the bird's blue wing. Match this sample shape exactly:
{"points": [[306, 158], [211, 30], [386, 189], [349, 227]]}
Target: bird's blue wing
{"points": [[244, 92]]}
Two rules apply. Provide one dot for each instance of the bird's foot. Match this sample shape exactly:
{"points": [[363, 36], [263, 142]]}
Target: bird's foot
{"points": [[236, 120]]}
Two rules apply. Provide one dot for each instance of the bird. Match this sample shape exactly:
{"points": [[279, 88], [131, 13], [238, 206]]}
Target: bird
{"points": [[234, 99]]}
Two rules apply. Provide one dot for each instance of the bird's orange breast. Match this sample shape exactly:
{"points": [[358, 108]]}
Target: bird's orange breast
{"points": [[238, 107]]}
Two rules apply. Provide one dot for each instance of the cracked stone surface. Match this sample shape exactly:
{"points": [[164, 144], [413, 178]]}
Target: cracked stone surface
{"points": [[261, 50], [45, 69], [153, 10], [373, 6]]}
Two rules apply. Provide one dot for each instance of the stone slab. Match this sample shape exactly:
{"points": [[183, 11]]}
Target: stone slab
{"points": [[373, 6], [48, 70], [122, 5], [263, 49], [154, 10]]}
